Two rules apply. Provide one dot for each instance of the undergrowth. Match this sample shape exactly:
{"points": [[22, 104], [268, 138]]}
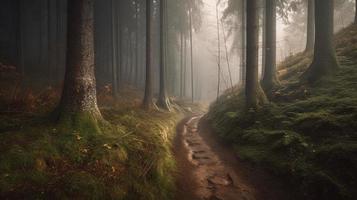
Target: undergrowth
{"points": [[130, 159], [306, 135]]}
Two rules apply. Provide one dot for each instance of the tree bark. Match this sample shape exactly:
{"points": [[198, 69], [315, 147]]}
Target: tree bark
{"points": [[21, 33], [184, 88], [148, 100], [219, 54], [181, 64], [270, 80], [163, 101], [244, 42], [324, 61], [310, 42], [255, 96], [79, 100], [356, 12], [191, 51], [114, 50], [52, 33], [137, 44]]}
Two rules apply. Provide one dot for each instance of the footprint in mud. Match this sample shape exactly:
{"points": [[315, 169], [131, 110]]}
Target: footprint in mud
{"points": [[219, 180]]}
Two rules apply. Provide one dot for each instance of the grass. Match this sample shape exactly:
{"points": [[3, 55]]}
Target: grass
{"points": [[130, 159], [306, 135]]}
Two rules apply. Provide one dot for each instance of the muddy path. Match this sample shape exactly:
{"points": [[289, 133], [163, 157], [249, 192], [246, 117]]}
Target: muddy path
{"points": [[209, 170]]}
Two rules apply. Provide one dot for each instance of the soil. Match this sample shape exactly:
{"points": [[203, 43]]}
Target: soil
{"points": [[209, 170]]}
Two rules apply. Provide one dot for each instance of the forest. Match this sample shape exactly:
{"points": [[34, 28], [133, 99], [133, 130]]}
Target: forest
{"points": [[178, 99]]}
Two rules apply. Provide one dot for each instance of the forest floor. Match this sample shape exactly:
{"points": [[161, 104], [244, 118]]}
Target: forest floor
{"points": [[130, 159], [210, 170]]}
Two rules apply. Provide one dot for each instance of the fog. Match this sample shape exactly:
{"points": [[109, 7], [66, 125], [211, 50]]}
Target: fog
{"points": [[291, 39]]}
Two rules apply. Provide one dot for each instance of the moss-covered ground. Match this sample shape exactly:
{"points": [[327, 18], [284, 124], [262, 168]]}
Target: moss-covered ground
{"points": [[130, 158], [307, 135]]}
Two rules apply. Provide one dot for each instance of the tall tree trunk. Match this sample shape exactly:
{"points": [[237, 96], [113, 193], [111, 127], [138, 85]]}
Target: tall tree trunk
{"points": [[78, 105], [270, 80], [227, 56], [356, 12], [43, 62], [191, 51], [137, 44], [119, 45], [219, 54], [163, 101], [52, 33], [114, 49], [184, 88], [255, 96], [21, 32], [148, 100], [310, 34], [181, 64], [244, 42], [264, 31], [324, 61]]}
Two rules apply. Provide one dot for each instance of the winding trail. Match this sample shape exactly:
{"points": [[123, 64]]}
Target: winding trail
{"points": [[207, 170]]}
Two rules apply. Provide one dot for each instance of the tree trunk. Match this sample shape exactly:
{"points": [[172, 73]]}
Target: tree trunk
{"points": [[270, 80], [219, 54], [255, 96], [78, 105], [191, 51], [244, 42], [184, 88], [52, 33], [21, 32], [119, 46], [324, 61], [310, 42], [137, 44], [227, 56], [114, 50], [148, 101], [181, 65], [43, 60], [356, 12], [163, 101]]}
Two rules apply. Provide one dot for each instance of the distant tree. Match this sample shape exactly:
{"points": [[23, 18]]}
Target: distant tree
{"points": [[324, 61], [255, 96], [356, 12], [79, 98], [243, 58], [148, 97], [270, 79], [310, 37], [163, 102], [114, 27]]}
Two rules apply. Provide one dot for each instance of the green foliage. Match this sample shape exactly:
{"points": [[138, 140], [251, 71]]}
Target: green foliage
{"points": [[307, 135]]}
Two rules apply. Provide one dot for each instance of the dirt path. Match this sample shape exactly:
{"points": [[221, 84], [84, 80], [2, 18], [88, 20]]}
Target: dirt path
{"points": [[210, 171]]}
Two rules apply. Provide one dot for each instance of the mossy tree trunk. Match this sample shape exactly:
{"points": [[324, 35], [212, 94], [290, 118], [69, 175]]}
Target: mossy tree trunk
{"points": [[255, 96], [148, 97], [324, 61], [79, 98], [163, 102], [270, 79], [310, 37]]}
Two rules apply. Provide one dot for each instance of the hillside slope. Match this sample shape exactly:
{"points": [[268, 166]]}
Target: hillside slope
{"points": [[306, 135]]}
